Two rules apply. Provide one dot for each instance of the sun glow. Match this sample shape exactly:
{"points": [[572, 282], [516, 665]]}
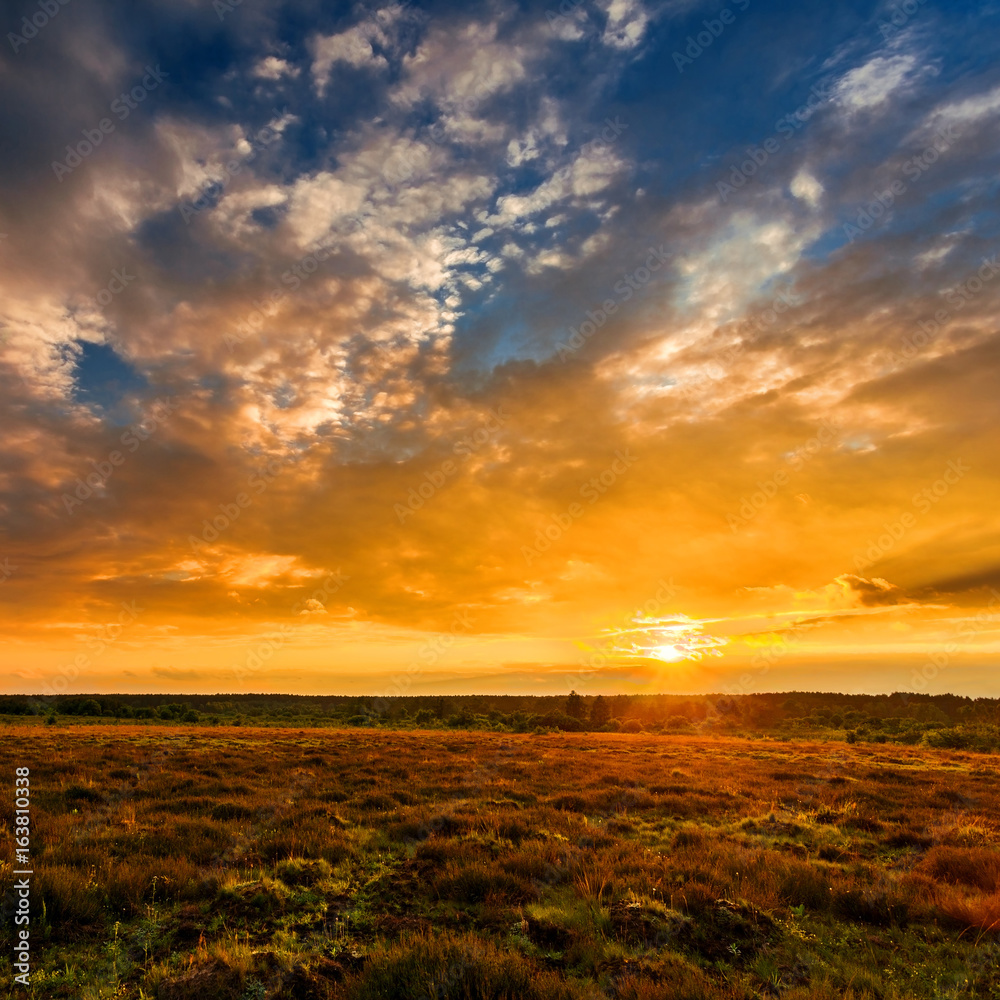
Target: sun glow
{"points": [[669, 654], [670, 639]]}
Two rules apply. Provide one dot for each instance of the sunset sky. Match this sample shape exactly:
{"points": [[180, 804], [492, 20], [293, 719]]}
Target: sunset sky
{"points": [[620, 346]]}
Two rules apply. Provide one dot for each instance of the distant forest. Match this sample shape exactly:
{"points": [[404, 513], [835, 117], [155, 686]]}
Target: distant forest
{"points": [[943, 720]]}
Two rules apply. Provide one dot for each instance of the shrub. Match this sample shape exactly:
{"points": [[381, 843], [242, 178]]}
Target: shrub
{"points": [[979, 912], [477, 883], [977, 867], [452, 967], [299, 871]]}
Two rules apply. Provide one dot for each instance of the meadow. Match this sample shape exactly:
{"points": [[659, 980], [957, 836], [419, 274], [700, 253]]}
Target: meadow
{"points": [[233, 863]]}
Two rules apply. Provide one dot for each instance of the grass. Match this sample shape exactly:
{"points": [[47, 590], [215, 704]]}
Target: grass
{"points": [[249, 864]]}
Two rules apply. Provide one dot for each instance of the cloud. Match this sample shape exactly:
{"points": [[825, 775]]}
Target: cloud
{"points": [[626, 23], [273, 68], [346, 302], [355, 47], [872, 84], [806, 187]]}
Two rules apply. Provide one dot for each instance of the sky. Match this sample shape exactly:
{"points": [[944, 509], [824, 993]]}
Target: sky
{"points": [[499, 347]]}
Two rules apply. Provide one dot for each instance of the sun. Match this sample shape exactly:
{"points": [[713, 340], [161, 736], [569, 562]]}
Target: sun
{"points": [[668, 654], [669, 639]]}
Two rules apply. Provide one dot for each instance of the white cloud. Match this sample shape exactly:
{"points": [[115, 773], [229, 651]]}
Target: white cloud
{"points": [[273, 68], [872, 84], [354, 46], [626, 24], [960, 115], [807, 188], [461, 69], [318, 203], [591, 172], [233, 212]]}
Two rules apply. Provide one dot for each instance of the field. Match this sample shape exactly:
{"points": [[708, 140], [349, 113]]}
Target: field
{"points": [[198, 863]]}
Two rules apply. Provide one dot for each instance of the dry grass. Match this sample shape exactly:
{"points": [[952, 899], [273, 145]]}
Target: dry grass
{"points": [[572, 865]]}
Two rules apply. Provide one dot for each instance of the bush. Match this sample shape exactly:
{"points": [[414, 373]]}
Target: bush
{"points": [[977, 867], [299, 872], [452, 967]]}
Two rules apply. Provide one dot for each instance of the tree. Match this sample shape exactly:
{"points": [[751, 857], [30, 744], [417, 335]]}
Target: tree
{"points": [[599, 712], [575, 706]]}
